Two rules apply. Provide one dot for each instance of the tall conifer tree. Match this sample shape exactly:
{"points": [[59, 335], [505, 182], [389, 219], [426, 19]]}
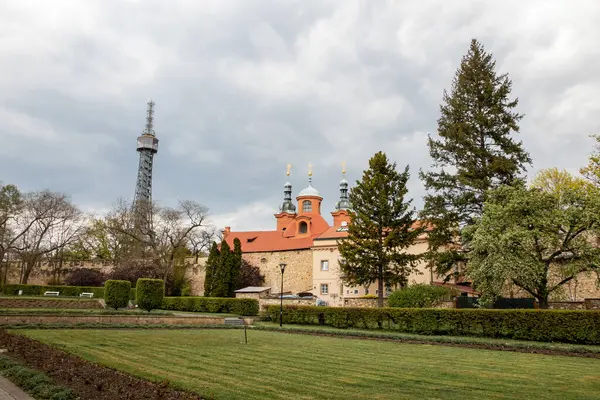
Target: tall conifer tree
{"points": [[475, 152], [222, 271], [211, 267], [236, 267], [382, 228]]}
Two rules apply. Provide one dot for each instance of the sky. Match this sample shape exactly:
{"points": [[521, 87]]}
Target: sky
{"points": [[244, 87]]}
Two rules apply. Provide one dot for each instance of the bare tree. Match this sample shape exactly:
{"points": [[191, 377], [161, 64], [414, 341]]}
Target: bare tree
{"points": [[200, 241], [47, 222]]}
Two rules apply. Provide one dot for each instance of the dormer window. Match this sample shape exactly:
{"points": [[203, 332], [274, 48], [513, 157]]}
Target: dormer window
{"points": [[306, 206], [302, 227]]}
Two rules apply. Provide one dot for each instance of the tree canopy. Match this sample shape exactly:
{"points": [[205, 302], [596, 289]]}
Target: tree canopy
{"points": [[537, 238], [473, 153], [382, 227]]}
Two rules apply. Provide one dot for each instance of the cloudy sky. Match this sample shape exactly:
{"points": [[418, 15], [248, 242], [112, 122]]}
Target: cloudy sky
{"points": [[244, 87]]}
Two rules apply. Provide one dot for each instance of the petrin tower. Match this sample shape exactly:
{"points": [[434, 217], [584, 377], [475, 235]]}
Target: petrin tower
{"points": [[147, 146]]}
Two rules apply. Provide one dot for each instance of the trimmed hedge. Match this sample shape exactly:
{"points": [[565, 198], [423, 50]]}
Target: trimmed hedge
{"points": [[150, 293], [74, 291], [420, 296], [539, 325], [116, 293], [212, 305]]}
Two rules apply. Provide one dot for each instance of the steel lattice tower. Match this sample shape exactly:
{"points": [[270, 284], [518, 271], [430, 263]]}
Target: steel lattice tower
{"points": [[147, 146]]}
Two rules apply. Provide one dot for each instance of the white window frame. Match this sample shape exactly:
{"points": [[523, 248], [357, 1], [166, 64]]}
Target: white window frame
{"points": [[325, 263], [307, 206], [324, 288], [356, 292]]}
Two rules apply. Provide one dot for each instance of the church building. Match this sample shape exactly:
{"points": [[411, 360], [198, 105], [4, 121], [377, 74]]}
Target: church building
{"points": [[308, 245]]}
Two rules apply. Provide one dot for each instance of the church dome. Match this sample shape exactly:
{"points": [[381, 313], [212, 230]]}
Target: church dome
{"points": [[309, 191]]}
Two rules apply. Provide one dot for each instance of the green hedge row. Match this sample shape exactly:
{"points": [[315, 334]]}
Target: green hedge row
{"points": [[212, 305], [539, 325], [75, 291]]}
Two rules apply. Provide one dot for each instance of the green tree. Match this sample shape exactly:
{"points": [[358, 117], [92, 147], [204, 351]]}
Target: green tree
{"points": [[534, 239], [382, 228], [473, 154], [592, 170], [236, 267], [211, 267]]}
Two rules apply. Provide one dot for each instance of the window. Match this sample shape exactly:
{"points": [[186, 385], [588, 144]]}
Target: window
{"points": [[324, 265], [306, 206], [302, 227], [355, 291], [324, 288]]}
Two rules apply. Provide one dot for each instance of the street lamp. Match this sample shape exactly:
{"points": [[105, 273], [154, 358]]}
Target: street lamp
{"points": [[282, 266]]}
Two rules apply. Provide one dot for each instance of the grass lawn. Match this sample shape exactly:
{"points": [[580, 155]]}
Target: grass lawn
{"points": [[216, 363]]}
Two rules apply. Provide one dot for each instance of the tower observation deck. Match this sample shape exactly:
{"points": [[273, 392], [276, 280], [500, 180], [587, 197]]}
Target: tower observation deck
{"points": [[147, 146]]}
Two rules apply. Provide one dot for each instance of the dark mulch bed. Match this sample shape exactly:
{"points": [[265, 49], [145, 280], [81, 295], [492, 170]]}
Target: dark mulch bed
{"points": [[87, 380]]}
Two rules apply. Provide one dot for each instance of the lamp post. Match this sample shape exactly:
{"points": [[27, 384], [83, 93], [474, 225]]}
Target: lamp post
{"points": [[282, 266]]}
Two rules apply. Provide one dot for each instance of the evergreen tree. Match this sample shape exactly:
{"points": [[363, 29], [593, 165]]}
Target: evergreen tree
{"points": [[236, 267], [222, 274], [382, 227], [211, 268], [473, 154]]}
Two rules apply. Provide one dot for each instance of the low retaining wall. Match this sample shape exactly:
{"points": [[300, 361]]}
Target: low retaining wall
{"points": [[49, 303], [566, 305], [112, 319], [592, 304], [263, 303]]}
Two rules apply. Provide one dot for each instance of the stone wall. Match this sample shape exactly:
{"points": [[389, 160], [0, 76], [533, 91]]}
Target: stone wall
{"points": [[362, 303], [566, 305], [263, 303], [298, 275], [592, 304], [109, 319]]}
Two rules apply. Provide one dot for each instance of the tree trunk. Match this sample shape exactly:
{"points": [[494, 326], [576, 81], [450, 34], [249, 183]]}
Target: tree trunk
{"points": [[543, 300], [380, 287]]}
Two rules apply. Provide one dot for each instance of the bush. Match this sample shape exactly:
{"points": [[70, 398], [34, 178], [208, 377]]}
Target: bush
{"points": [[150, 293], [212, 305], [85, 277], [420, 296], [116, 293], [539, 325], [369, 296], [38, 290]]}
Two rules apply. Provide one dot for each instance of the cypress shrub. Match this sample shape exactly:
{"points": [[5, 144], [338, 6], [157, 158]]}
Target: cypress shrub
{"points": [[212, 305], [519, 324], [150, 293], [116, 293]]}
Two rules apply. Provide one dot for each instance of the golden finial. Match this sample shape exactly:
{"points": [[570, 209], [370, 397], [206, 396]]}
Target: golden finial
{"points": [[288, 169], [309, 169], [344, 168]]}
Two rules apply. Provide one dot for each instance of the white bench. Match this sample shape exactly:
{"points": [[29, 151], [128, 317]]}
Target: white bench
{"points": [[51, 293], [90, 295]]}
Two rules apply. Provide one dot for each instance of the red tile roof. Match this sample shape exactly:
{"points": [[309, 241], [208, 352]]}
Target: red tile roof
{"points": [[264, 241], [332, 233]]}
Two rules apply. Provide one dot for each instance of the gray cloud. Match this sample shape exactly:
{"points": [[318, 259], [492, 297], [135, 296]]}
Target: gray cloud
{"points": [[244, 87]]}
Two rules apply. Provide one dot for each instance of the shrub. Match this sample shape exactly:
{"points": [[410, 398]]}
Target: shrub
{"points": [[38, 290], [539, 325], [116, 293], [369, 296], [150, 293], [212, 305], [85, 277], [420, 296]]}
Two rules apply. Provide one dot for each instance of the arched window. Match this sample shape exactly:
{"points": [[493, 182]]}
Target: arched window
{"points": [[306, 206], [302, 227]]}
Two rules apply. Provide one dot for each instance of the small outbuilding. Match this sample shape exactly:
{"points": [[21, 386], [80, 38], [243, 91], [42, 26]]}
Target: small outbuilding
{"points": [[253, 292]]}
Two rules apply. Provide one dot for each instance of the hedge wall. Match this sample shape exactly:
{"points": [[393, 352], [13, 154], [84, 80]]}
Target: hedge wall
{"points": [[212, 305], [75, 291], [539, 325], [150, 293]]}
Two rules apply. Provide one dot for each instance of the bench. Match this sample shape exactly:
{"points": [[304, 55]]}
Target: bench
{"points": [[51, 293], [234, 321], [90, 295]]}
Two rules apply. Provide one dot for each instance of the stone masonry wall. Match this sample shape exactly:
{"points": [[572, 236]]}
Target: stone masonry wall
{"points": [[298, 272]]}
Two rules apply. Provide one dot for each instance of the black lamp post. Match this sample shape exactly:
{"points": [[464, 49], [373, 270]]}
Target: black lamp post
{"points": [[282, 266]]}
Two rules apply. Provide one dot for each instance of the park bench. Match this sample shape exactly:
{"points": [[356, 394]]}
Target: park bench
{"points": [[51, 293], [234, 321], [85, 294]]}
